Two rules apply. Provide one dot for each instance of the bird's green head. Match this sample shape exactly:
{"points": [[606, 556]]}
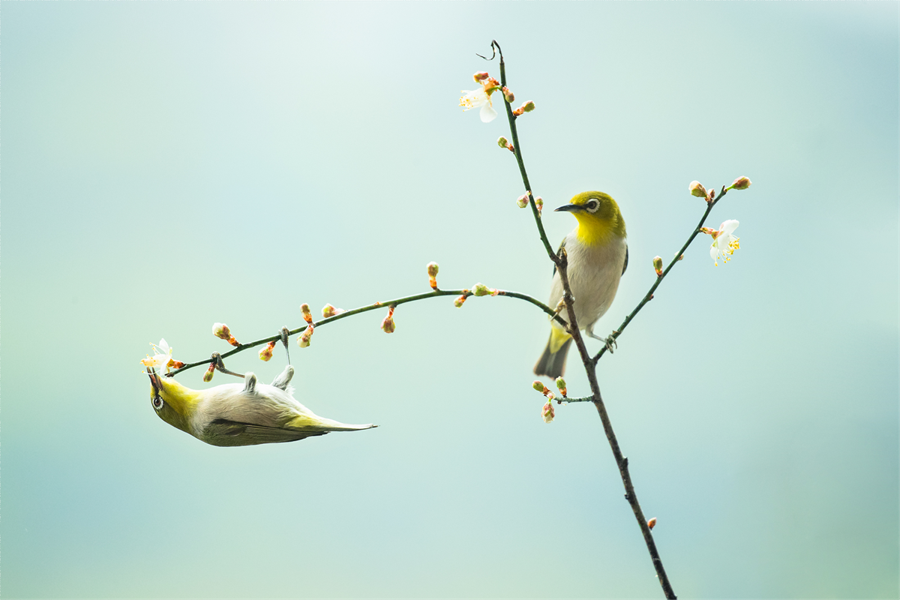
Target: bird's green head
{"points": [[174, 403], [599, 219]]}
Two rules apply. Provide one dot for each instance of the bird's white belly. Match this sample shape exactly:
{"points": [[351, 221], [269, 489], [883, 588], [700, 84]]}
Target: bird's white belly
{"points": [[594, 275]]}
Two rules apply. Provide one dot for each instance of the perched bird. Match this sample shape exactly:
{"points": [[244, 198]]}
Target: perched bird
{"points": [[597, 258], [237, 414]]}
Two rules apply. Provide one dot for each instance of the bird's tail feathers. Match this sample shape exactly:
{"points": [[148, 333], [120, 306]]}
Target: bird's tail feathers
{"points": [[553, 364]]}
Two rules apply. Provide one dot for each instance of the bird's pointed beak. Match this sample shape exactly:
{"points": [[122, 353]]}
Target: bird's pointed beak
{"points": [[154, 381], [568, 208]]}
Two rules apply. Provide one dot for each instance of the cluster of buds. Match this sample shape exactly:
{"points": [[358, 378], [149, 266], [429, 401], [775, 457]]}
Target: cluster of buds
{"points": [[207, 377], [658, 265], [266, 353], [303, 340], [307, 315], [504, 143], [432, 274], [526, 107], [220, 330], [696, 188], [388, 325], [330, 311], [479, 289], [458, 302], [561, 386]]}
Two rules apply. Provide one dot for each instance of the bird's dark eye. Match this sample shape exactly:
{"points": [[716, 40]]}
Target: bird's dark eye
{"points": [[592, 206], [157, 402]]}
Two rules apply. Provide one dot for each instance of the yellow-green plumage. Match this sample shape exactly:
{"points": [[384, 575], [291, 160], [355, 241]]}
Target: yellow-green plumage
{"points": [[597, 256], [240, 414]]}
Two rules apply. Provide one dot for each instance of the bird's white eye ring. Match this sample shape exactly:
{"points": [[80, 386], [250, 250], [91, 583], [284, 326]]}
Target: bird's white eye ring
{"points": [[592, 206], [157, 402]]}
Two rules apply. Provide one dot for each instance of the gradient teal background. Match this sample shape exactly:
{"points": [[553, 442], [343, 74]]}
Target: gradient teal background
{"points": [[168, 165]]}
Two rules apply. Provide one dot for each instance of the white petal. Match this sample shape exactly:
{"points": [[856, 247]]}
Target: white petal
{"points": [[728, 226], [164, 347], [488, 113], [714, 252]]}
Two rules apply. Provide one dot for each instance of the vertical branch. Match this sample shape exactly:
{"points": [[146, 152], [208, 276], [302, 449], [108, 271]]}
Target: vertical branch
{"points": [[561, 263]]}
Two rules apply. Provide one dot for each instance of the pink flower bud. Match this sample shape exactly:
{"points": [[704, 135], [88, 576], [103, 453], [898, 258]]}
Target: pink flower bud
{"points": [[502, 142], [658, 265], [522, 201], [207, 377], [537, 385], [266, 353], [510, 97], [547, 412], [388, 325], [741, 183], [307, 315], [696, 188], [539, 202], [303, 340], [480, 76], [458, 302], [220, 330]]}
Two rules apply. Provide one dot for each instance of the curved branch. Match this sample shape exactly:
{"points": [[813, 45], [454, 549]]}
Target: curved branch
{"points": [[377, 305]]}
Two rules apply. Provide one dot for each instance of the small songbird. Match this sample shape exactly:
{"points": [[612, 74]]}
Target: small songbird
{"points": [[597, 258], [237, 414]]}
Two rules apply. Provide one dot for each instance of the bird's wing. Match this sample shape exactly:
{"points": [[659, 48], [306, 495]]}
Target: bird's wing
{"points": [[561, 246], [625, 266], [222, 432]]}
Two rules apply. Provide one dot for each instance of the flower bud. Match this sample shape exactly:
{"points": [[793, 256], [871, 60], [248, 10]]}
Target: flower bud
{"points": [[502, 142], [207, 377], [388, 325], [547, 412], [479, 289], [480, 76], [330, 311], [458, 302], [561, 386], [510, 97], [696, 188], [528, 106], [266, 353], [220, 330], [741, 183], [303, 340], [657, 265], [651, 523], [539, 202], [522, 201], [307, 315], [681, 257], [537, 385]]}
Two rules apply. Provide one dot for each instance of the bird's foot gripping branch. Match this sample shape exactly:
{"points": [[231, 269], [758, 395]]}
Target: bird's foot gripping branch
{"points": [[587, 268]]}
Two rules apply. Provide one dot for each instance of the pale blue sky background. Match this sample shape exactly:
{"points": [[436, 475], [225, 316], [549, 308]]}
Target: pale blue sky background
{"points": [[168, 165]]}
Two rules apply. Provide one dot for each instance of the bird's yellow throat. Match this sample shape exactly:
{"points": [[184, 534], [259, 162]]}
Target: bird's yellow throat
{"points": [[599, 229]]}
